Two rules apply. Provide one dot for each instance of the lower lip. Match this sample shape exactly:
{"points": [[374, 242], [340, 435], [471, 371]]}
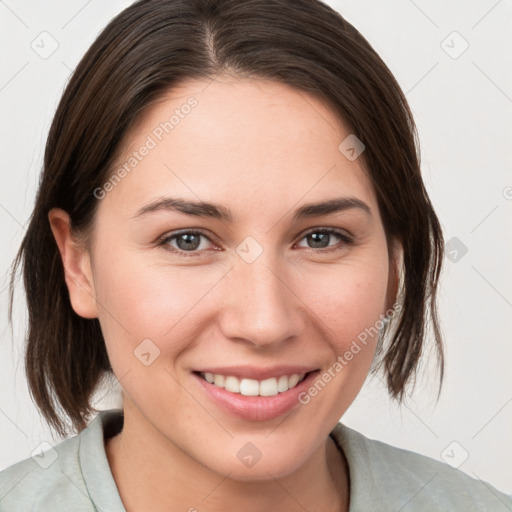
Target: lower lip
{"points": [[256, 408]]}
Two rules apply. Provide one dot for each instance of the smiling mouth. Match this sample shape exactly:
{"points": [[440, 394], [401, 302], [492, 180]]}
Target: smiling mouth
{"points": [[252, 387]]}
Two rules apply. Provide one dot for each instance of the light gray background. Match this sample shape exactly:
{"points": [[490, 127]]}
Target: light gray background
{"points": [[463, 108]]}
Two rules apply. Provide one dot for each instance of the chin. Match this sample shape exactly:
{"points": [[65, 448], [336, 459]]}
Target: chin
{"points": [[261, 471], [248, 463]]}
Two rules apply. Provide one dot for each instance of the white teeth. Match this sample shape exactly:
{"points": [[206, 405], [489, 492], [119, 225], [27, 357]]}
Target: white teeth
{"points": [[282, 384], [232, 384], [268, 387], [219, 380], [252, 387], [294, 380], [249, 387]]}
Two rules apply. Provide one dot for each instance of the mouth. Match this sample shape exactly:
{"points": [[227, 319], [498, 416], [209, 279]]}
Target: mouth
{"points": [[253, 387], [255, 395]]}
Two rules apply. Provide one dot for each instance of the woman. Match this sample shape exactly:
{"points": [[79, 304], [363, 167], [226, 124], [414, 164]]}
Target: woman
{"points": [[232, 221]]}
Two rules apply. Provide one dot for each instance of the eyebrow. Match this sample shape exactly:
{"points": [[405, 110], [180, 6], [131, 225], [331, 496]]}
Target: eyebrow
{"points": [[215, 211]]}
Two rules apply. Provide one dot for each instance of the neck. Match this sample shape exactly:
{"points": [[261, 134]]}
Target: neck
{"points": [[152, 473]]}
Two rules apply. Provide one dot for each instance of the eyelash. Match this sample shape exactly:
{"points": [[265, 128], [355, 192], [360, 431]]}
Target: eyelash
{"points": [[164, 241]]}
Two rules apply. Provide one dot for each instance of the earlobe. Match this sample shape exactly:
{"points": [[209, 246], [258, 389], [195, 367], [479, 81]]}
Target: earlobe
{"points": [[77, 265]]}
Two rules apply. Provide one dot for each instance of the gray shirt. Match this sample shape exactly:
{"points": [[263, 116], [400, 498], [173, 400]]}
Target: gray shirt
{"points": [[75, 476]]}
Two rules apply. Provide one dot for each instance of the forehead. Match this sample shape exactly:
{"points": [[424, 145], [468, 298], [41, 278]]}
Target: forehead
{"points": [[243, 142]]}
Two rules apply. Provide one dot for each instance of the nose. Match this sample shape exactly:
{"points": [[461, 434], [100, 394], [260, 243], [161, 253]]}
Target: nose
{"points": [[260, 306]]}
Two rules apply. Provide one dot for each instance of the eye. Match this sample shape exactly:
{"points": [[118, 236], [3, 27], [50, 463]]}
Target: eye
{"points": [[185, 242], [190, 243], [319, 238]]}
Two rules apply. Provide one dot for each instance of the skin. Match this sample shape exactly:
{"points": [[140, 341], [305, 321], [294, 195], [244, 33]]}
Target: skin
{"points": [[263, 150]]}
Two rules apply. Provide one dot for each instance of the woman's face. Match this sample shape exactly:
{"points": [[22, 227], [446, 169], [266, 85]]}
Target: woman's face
{"points": [[252, 288]]}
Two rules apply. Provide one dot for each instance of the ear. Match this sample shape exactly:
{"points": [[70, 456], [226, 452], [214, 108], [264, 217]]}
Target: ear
{"points": [[395, 266], [77, 265]]}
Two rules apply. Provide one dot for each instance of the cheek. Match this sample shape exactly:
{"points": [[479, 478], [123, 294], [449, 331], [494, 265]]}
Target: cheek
{"points": [[348, 298], [350, 303], [141, 301], [147, 319]]}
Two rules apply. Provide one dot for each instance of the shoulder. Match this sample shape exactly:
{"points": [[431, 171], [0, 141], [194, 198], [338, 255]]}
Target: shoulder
{"points": [[394, 477], [44, 480], [62, 477]]}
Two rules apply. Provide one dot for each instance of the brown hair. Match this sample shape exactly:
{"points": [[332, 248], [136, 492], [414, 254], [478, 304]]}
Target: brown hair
{"points": [[154, 45]]}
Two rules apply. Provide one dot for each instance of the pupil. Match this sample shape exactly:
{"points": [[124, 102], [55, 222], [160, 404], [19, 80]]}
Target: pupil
{"points": [[187, 242], [318, 239]]}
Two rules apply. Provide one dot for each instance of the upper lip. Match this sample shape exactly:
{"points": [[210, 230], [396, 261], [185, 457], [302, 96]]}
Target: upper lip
{"points": [[257, 372]]}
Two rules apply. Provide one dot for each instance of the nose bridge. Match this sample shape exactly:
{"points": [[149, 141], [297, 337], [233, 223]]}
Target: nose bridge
{"points": [[261, 308]]}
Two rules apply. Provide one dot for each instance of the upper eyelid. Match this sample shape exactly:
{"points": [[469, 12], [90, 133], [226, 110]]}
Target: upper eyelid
{"points": [[338, 231], [174, 234]]}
